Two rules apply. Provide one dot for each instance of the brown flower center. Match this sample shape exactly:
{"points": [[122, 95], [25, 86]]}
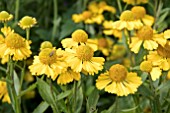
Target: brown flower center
{"points": [[79, 36], [14, 41], [48, 56], [84, 52], [118, 73], [145, 33], [139, 12], [102, 42], [164, 51], [127, 16]]}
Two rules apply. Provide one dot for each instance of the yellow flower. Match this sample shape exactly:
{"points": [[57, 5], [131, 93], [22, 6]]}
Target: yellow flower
{"points": [[167, 34], [78, 37], [27, 22], [4, 93], [118, 81], [50, 62], [46, 44], [28, 77], [118, 51], [15, 46], [135, 2], [104, 7], [100, 7], [140, 13], [82, 58], [105, 45], [68, 76], [108, 29], [6, 31], [148, 38], [77, 18], [160, 60], [127, 21], [5, 16]]}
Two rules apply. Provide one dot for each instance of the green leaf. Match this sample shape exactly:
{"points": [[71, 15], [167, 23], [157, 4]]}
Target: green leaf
{"points": [[145, 91], [68, 27], [110, 110], [63, 95], [41, 107], [17, 84], [79, 98], [43, 34], [45, 91], [92, 101], [162, 18], [164, 86]]}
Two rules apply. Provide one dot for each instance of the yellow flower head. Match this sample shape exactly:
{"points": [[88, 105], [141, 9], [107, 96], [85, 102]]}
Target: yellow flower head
{"points": [[68, 76], [6, 31], [167, 34], [108, 29], [28, 77], [105, 45], [127, 21], [15, 46], [77, 18], [84, 53], [27, 22], [5, 16], [159, 63], [118, 81], [148, 38], [4, 93], [118, 51], [146, 66], [50, 62], [82, 58], [86, 15], [46, 44], [164, 51], [79, 37], [140, 13], [134, 2]]}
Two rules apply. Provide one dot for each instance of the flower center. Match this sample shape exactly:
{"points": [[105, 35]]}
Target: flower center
{"points": [[146, 66], [48, 56], [79, 36], [4, 15], [102, 42], [164, 51], [118, 73], [139, 12], [145, 33], [84, 52], [14, 41], [27, 21], [86, 14], [46, 44], [127, 16]]}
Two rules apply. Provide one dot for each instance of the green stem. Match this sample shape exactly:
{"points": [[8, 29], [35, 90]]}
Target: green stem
{"points": [[22, 75], [119, 6], [55, 23], [155, 102], [74, 96], [16, 10], [136, 100], [27, 34], [116, 105], [2, 69], [11, 89]]}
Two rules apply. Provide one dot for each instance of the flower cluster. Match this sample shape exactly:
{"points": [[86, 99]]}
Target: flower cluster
{"points": [[94, 13]]}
